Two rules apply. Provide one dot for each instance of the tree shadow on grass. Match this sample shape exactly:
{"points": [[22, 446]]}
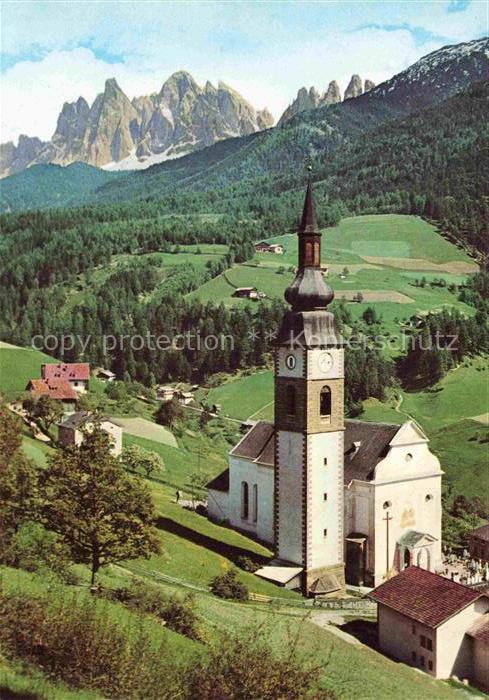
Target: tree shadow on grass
{"points": [[7, 694], [230, 551]]}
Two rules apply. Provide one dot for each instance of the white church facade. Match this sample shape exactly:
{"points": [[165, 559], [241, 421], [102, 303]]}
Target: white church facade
{"points": [[338, 500]]}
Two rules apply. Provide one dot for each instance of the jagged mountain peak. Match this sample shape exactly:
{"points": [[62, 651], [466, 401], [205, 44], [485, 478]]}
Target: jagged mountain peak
{"points": [[118, 133]]}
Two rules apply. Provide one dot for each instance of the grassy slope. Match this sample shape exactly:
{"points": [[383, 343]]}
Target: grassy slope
{"points": [[242, 397], [348, 671], [182, 462], [17, 366], [390, 235], [464, 457], [406, 238]]}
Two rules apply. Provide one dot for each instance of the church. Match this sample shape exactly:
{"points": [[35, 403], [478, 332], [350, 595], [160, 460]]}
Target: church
{"points": [[339, 501]]}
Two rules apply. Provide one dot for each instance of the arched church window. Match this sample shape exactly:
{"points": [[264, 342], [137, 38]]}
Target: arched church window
{"points": [[290, 400], [255, 503], [409, 457], [325, 402], [245, 505], [387, 504], [428, 497]]}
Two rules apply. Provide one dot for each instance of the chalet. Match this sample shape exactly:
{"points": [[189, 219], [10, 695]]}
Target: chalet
{"points": [[435, 624], [105, 375], [184, 397], [479, 543], [71, 430], [264, 247], [77, 374], [246, 293], [57, 389], [165, 393]]}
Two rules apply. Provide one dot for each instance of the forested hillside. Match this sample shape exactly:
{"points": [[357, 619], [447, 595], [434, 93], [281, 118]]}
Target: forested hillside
{"points": [[433, 163]]}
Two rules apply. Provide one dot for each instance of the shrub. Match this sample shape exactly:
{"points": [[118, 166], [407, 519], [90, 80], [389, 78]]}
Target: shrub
{"points": [[247, 564], [178, 613], [244, 667], [228, 586], [34, 548], [76, 641]]}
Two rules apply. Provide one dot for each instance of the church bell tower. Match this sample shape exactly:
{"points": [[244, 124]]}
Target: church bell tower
{"points": [[309, 424]]}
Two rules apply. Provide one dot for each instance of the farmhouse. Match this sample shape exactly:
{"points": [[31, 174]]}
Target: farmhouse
{"points": [[58, 389], [246, 293], [71, 430], [165, 393], [77, 374], [264, 247], [479, 543], [434, 624], [184, 397], [105, 375], [325, 491]]}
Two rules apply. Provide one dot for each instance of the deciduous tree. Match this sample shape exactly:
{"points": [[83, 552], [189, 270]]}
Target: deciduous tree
{"points": [[102, 514]]}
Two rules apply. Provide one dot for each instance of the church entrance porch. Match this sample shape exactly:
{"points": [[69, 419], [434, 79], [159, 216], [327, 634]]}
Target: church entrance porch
{"points": [[356, 559], [415, 548]]}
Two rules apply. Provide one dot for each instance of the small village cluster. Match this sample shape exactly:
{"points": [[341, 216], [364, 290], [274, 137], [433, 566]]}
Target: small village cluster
{"points": [[66, 382]]}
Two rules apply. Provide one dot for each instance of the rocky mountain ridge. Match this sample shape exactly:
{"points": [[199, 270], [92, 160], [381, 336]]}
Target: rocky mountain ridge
{"points": [[117, 133], [312, 99]]}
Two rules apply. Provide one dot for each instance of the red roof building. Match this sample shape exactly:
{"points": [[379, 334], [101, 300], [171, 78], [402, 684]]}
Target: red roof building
{"points": [[59, 389], [424, 596], [435, 624], [68, 371], [76, 373]]}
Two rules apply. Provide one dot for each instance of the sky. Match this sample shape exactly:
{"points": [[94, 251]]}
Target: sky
{"points": [[53, 52]]}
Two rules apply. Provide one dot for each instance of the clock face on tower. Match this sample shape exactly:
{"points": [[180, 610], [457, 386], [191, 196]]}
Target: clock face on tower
{"points": [[325, 362], [290, 361]]}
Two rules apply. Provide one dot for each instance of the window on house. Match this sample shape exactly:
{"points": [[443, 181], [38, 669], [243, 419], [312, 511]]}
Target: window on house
{"points": [[422, 641], [325, 461], [413, 657], [421, 661], [325, 496], [325, 532], [290, 400], [245, 506], [255, 503], [429, 644], [428, 497], [430, 665], [325, 402]]}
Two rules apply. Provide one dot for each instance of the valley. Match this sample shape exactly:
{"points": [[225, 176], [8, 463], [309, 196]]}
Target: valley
{"points": [[103, 257]]}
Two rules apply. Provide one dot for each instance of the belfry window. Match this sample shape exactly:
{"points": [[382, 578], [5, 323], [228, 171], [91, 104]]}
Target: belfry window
{"points": [[325, 402], [316, 254], [290, 400], [309, 258], [245, 500]]}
